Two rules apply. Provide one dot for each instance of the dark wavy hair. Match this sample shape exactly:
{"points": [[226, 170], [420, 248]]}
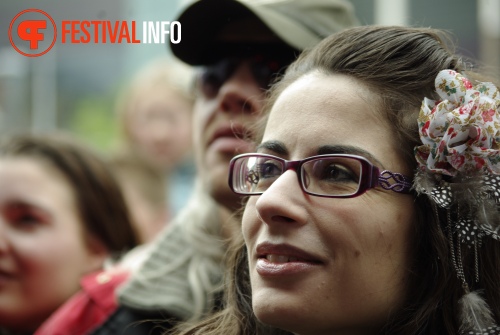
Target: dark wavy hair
{"points": [[99, 200], [399, 64]]}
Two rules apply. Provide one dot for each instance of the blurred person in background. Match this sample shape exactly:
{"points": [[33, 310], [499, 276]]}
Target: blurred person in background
{"points": [[145, 194], [241, 47], [61, 216], [155, 164]]}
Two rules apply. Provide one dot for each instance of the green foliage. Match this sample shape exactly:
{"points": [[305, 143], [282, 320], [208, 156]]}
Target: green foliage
{"points": [[94, 122]]}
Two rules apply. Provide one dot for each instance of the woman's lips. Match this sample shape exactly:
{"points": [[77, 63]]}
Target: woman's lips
{"points": [[283, 260], [266, 268]]}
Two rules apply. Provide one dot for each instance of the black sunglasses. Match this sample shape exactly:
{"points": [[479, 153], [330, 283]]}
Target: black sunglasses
{"points": [[264, 68]]}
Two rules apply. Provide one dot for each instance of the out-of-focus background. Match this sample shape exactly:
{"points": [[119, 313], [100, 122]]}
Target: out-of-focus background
{"points": [[74, 86]]}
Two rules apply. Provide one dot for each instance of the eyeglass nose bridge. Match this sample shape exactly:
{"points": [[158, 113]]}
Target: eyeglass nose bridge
{"points": [[294, 165]]}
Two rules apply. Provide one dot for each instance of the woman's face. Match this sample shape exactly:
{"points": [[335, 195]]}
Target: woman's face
{"points": [[325, 265], [43, 252], [159, 125]]}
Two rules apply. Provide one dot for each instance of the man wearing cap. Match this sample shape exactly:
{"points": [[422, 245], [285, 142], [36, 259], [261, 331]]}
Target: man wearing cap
{"points": [[241, 46]]}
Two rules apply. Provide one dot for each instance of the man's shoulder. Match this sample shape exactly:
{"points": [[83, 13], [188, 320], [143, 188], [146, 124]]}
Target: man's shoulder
{"points": [[127, 321]]}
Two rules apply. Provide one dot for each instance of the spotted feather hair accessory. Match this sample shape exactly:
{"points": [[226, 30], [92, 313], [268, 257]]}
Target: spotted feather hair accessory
{"points": [[459, 170]]}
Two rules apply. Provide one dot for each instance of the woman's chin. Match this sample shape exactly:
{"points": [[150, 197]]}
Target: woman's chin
{"points": [[278, 315]]}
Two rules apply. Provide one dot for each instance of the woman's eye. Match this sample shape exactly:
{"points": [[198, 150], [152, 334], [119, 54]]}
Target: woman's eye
{"points": [[23, 215], [337, 173], [269, 170]]}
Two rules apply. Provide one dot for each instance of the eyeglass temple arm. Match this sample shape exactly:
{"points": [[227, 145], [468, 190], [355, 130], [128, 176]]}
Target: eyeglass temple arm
{"points": [[400, 184]]}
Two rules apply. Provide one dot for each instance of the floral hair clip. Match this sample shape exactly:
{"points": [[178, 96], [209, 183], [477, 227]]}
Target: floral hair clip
{"points": [[459, 169], [461, 131]]}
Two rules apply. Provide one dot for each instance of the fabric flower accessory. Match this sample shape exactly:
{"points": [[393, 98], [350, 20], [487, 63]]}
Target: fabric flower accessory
{"points": [[460, 132], [459, 159]]}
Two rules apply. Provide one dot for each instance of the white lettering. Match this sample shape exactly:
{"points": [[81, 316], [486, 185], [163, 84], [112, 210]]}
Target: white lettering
{"points": [[175, 32]]}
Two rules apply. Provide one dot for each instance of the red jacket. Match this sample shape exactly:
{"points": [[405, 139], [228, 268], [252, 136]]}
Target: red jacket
{"points": [[88, 308]]}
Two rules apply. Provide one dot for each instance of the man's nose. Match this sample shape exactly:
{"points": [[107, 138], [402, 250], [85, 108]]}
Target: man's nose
{"points": [[240, 93]]}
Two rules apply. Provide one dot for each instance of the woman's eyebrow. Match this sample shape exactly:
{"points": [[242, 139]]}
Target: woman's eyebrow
{"points": [[279, 147], [347, 149], [274, 146]]}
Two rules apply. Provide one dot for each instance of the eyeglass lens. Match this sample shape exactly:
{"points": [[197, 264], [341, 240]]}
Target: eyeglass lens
{"points": [[322, 176]]}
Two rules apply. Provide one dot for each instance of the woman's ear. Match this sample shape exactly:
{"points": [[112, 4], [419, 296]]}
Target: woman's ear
{"points": [[97, 253]]}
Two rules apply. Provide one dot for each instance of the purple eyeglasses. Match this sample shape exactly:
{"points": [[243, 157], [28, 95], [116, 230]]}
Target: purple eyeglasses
{"points": [[331, 176]]}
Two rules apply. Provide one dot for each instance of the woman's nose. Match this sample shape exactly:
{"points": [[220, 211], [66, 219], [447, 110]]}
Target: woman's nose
{"points": [[283, 201], [4, 242]]}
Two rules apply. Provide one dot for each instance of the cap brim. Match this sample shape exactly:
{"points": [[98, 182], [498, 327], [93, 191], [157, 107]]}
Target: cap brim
{"points": [[202, 22]]}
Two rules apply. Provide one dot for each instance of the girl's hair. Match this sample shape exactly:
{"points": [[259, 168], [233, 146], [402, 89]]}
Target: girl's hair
{"points": [[162, 73], [100, 203], [400, 65]]}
